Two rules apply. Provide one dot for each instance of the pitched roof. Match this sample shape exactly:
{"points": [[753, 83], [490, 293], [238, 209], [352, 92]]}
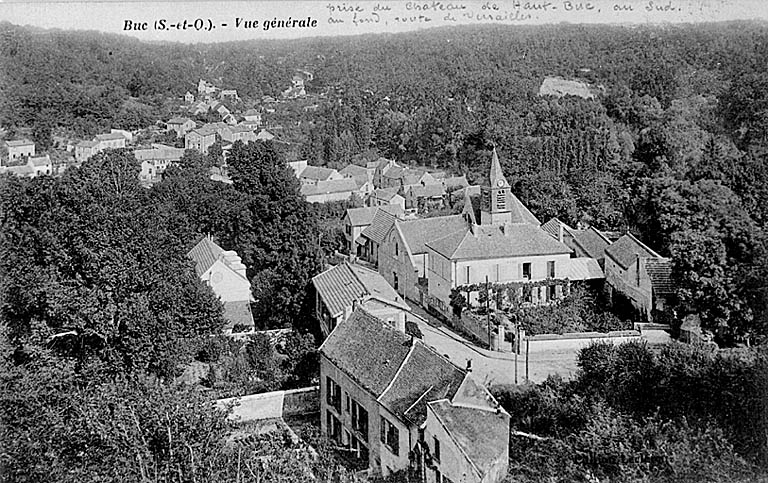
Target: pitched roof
{"points": [[205, 254], [364, 216], [553, 227], [660, 272], [394, 172], [482, 435], [178, 120], [251, 112], [483, 241], [317, 173], [368, 350], [342, 285], [456, 181], [330, 186], [426, 191], [19, 142], [379, 227], [520, 213], [87, 144], [417, 233], [627, 248], [240, 128], [39, 161], [164, 153], [590, 241], [109, 137], [204, 131], [385, 194], [583, 268], [265, 135]]}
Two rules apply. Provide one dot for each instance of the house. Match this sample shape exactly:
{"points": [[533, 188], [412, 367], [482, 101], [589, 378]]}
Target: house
{"points": [[224, 272], [180, 125], [19, 149], [314, 174], [357, 172], [189, 98], [128, 135], [372, 237], [423, 198], [358, 219], [113, 140], [396, 404], [264, 135], [252, 115], [200, 139], [589, 243], [155, 161], [228, 95], [40, 165], [205, 88], [639, 274], [296, 90], [329, 190], [298, 166], [455, 183], [403, 257], [381, 167], [241, 133], [343, 287], [84, 150], [386, 196]]}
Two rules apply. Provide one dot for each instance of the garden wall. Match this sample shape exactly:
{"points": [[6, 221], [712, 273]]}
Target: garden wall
{"points": [[577, 340], [271, 405]]}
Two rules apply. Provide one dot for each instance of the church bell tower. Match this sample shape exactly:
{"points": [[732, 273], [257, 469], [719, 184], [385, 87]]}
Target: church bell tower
{"points": [[496, 204]]}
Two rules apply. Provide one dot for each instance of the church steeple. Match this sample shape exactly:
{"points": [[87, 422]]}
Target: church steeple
{"points": [[497, 175], [497, 196]]}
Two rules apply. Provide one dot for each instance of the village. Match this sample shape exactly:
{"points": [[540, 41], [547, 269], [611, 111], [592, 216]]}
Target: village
{"points": [[433, 274], [345, 282]]}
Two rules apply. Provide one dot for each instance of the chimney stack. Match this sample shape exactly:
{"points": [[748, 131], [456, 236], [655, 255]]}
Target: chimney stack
{"points": [[560, 232]]}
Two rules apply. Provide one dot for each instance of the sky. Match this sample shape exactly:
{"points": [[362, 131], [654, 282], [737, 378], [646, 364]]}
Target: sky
{"points": [[208, 21]]}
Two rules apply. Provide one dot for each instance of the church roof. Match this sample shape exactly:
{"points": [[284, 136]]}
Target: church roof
{"points": [[485, 241]]}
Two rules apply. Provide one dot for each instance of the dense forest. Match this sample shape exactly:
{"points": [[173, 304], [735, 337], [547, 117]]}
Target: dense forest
{"points": [[672, 147]]}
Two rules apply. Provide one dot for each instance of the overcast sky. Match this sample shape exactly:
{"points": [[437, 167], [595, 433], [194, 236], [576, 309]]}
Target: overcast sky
{"points": [[349, 18]]}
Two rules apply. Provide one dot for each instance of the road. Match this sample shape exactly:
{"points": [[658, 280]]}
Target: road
{"points": [[492, 367]]}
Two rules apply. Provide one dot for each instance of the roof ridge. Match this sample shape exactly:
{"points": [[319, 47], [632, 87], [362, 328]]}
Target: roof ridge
{"points": [[397, 373], [354, 274], [450, 435]]}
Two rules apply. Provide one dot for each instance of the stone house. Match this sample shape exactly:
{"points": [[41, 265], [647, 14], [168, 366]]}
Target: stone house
{"points": [[640, 274], [423, 198], [155, 161], [358, 219], [342, 288], [386, 196], [331, 190], [589, 243], [180, 125], [314, 174], [372, 237], [200, 139], [110, 141], [396, 404], [19, 149]]}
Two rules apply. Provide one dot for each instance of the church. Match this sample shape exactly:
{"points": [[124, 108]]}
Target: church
{"points": [[508, 245]]}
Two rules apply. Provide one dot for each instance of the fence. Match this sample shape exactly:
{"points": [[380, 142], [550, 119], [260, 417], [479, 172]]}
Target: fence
{"points": [[272, 405]]}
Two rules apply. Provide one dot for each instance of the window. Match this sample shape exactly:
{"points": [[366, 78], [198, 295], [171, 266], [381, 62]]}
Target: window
{"points": [[437, 448], [551, 292], [551, 269], [390, 436], [501, 200], [527, 271], [467, 274], [348, 398], [333, 394], [394, 280], [360, 420], [349, 229], [334, 427], [438, 476], [397, 249]]}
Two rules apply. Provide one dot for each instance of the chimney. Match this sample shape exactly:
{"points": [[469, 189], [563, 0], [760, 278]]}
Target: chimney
{"points": [[469, 365], [560, 232]]}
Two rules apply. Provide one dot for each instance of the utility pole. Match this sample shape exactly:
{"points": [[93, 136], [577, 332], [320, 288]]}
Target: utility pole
{"points": [[488, 312]]}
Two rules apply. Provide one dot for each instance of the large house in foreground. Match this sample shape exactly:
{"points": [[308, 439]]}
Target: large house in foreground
{"points": [[342, 288], [224, 272], [396, 404]]}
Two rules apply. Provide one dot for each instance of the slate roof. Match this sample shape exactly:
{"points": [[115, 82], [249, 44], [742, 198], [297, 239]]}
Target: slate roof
{"points": [[238, 313], [385, 194], [520, 213], [205, 254], [317, 173], [456, 182], [178, 120], [660, 272], [482, 435], [496, 173], [330, 186], [590, 241], [342, 285], [583, 268], [484, 241], [417, 233], [626, 249], [87, 144], [109, 137], [394, 172], [425, 376], [379, 227], [359, 173], [19, 142], [553, 227], [426, 191], [39, 161], [204, 131], [240, 128], [265, 135], [165, 153], [364, 216], [368, 350], [251, 112]]}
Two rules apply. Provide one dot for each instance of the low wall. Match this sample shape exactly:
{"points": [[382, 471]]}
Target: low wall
{"points": [[474, 326], [577, 340], [271, 405]]}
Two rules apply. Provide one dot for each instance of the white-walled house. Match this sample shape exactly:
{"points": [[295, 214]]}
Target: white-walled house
{"points": [[225, 273]]}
